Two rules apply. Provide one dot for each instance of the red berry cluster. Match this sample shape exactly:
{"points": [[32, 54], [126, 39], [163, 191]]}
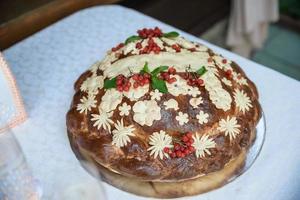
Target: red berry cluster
{"points": [[192, 49], [152, 46], [183, 148], [119, 46], [176, 47], [149, 32], [228, 73], [193, 80], [166, 75], [141, 79], [138, 45], [123, 83], [224, 61]]}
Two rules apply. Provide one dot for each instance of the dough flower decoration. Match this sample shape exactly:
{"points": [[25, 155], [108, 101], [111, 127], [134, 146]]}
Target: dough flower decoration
{"points": [[193, 91], [179, 87], [171, 104], [212, 70], [237, 77], [102, 120], [182, 118], [145, 112], [124, 109], [136, 92], [86, 104], [226, 82], [94, 68], [110, 100], [195, 102], [202, 145], [230, 127], [159, 141], [202, 117], [92, 84], [156, 95], [121, 134], [242, 101]]}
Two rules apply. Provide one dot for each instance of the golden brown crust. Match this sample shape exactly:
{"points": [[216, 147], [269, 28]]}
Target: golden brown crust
{"points": [[134, 160], [171, 189]]}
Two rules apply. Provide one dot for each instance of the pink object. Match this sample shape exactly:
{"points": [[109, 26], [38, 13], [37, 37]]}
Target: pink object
{"points": [[12, 111]]}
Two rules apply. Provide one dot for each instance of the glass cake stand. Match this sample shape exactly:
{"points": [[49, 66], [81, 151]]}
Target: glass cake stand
{"points": [[255, 149]]}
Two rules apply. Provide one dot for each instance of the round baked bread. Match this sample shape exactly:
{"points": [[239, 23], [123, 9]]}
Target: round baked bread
{"points": [[160, 111]]}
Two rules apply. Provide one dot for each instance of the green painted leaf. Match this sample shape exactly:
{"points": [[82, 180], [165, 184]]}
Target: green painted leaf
{"points": [[171, 34], [159, 84], [110, 83], [145, 68], [158, 70], [201, 71], [132, 39]]}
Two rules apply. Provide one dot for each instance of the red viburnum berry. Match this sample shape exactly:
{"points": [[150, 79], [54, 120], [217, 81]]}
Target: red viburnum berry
{"points": [[166, 149], [135, 85], [186, 151], [172, 80], [228, 73], [147, 81], [138, 45], [200, 82], [176, 146], [173, 155], [172, 70], [178, 153], [185, 138], [119, 88], [189, 134], [191, 140], [119, 82], [191, 148], [119, 46]]}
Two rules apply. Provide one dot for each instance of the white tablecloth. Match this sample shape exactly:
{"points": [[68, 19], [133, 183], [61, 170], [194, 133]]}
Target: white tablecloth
{"points": [[47, 64]]}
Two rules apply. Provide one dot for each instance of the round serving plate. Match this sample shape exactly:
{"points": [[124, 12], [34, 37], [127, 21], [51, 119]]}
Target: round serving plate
{"points": [[256, 147]]}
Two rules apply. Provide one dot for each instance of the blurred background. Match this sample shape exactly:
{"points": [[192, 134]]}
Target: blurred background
{"points": [[266, 31]]}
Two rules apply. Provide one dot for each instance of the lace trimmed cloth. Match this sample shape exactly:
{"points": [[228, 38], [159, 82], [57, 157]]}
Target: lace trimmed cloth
{"points": [[12, 111]]}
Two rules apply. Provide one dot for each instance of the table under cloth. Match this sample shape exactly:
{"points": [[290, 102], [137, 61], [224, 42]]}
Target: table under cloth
{"points": [[47, 64]]}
